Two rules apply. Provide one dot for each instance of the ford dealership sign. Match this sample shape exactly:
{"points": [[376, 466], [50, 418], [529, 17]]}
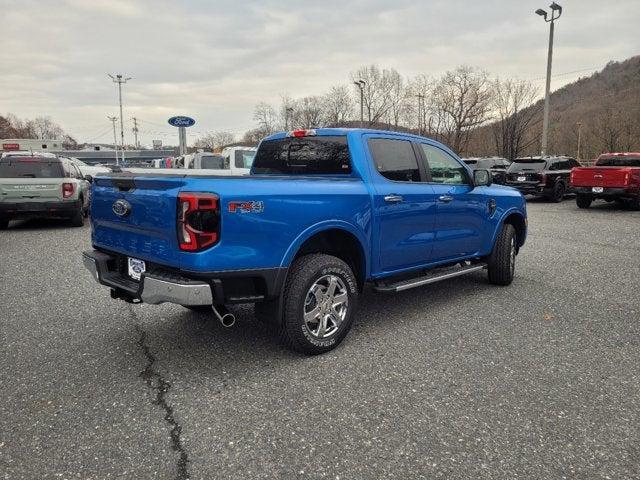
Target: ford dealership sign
{"points": [[182, 121]]}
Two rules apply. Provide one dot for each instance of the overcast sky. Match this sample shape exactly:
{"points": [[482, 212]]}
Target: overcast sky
{"points": [[214, 60]]}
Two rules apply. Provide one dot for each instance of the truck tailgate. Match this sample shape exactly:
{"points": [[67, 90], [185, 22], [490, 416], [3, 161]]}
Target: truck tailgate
{"points": [[610, 177], [21, 190], [146, 226]]}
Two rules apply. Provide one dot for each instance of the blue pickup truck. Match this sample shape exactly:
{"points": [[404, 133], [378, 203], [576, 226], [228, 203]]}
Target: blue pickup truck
{"points": [[322, 213]]}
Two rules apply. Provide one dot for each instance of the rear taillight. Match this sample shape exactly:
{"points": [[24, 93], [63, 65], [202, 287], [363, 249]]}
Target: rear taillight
{"points": [[198, 220], [571, 177], [626, 179], [543, 178], [68, 189]]}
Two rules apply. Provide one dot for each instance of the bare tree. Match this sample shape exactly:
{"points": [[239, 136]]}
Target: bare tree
{"points": [[215, 140], [462, 100], [337, 105], [308, 113], [513, 105], [608, 130], [417, 105], [266, 118]]}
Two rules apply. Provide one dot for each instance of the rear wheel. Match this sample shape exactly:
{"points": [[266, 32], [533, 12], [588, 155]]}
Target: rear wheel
{"points": [[559, 189], [319, 301], [583, 200], [4, 223], [634, 203], [77, 220], [502, 261]]}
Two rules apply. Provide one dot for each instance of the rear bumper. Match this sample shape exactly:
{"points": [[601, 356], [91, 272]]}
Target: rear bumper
{"points": [[160, 285], [37, 209], [607, 192], [527, 189]]}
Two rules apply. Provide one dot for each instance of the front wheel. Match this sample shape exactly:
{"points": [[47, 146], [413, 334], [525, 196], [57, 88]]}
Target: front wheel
{"points": [[583, 200], [502, 261], [319, 301]]}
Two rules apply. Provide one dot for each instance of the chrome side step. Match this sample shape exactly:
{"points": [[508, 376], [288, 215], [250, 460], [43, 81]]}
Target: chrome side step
{"points": [[427, 279]]}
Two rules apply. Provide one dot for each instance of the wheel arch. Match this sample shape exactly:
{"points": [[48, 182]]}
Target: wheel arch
{"points": [[519, 223], [339, 239]]}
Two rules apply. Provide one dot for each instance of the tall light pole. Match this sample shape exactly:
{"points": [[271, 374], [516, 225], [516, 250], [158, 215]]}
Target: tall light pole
{"points": [[420, 98], [360, 84], [579, 125], [119, 80], [556, 11], [115, 139], [135, 131]]}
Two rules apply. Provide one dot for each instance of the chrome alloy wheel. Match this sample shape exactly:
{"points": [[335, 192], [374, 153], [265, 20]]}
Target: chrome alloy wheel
{"points": [[325, 306]]}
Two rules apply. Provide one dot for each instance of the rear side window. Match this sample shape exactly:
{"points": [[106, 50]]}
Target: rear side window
{"points": [[17, 167], [619, 162], [328, 155], [395, 159], [244, 158], [215, 162]]}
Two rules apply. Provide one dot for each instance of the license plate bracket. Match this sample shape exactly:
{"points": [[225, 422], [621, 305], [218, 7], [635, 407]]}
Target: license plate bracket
{"points": [[522, 179], [136, 267]]}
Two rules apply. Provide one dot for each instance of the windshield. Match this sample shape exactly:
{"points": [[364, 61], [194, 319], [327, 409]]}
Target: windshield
{"points": [[328, 155], [618, 162], [532, 165], [29, 167], [244, 158], [215, 162]]}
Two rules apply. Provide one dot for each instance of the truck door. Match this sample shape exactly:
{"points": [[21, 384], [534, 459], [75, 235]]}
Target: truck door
{"points": [[404, 205], [462, 211]]}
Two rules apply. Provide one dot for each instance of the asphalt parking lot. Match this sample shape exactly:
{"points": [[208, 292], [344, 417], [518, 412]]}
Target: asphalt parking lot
{"points": [[455, 380]]}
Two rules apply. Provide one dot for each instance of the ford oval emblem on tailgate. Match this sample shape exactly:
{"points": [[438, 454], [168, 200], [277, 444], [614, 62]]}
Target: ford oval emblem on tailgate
{"points": [[121, 208]]}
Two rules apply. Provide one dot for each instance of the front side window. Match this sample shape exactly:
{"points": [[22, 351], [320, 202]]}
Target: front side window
{"points": [[395, 159], [444, 168]]}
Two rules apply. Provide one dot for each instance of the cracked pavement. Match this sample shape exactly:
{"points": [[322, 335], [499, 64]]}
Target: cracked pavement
{"points": [[455, 380]]}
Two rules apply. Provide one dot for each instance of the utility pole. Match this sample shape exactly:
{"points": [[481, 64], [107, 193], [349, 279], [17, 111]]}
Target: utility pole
{"points": [[579, 124], [119, 80], [360, 84], [420, 98], [115, 139], [135, 131], [556, 11]]}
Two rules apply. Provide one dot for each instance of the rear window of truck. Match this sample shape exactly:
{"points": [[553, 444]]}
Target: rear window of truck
{"points": [[618, 162], [29, 167], [328, 155]]}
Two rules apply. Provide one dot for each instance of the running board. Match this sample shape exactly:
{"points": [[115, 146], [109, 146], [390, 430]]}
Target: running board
{"points": [[427, 279]]}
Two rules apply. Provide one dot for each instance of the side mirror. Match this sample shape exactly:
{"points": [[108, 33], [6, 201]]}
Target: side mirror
{"points": [[88, 178], [481, 178]]}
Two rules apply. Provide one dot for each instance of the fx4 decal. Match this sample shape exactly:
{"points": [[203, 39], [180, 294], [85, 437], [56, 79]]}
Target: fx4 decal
{"points": [[246, 207]]}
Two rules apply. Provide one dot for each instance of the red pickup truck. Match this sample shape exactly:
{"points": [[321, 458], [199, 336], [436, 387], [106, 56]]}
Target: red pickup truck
{"points": [[615, 176]]}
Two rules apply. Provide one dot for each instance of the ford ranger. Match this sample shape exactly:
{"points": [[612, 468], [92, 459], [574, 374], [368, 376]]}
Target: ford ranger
{"points": [[322, 213], [615, 176]]}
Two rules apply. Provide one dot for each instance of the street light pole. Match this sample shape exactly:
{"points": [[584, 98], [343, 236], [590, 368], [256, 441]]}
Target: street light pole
{"points": [[579, 124], [119, 80], [115, 139], [556, 11], [360, 84]]}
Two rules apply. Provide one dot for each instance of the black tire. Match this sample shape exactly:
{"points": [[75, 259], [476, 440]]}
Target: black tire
{"points": [[559, 190], [77, 220], [634, 203], [307, 289], [583, 200], [4, 224], [501, 262]]}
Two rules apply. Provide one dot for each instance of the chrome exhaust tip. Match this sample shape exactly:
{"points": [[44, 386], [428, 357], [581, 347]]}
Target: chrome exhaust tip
{"points": [[227, 319]]}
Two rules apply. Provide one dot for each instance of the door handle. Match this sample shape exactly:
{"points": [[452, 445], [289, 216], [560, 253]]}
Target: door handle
{"points": [[445, 198], [393, 198]]}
